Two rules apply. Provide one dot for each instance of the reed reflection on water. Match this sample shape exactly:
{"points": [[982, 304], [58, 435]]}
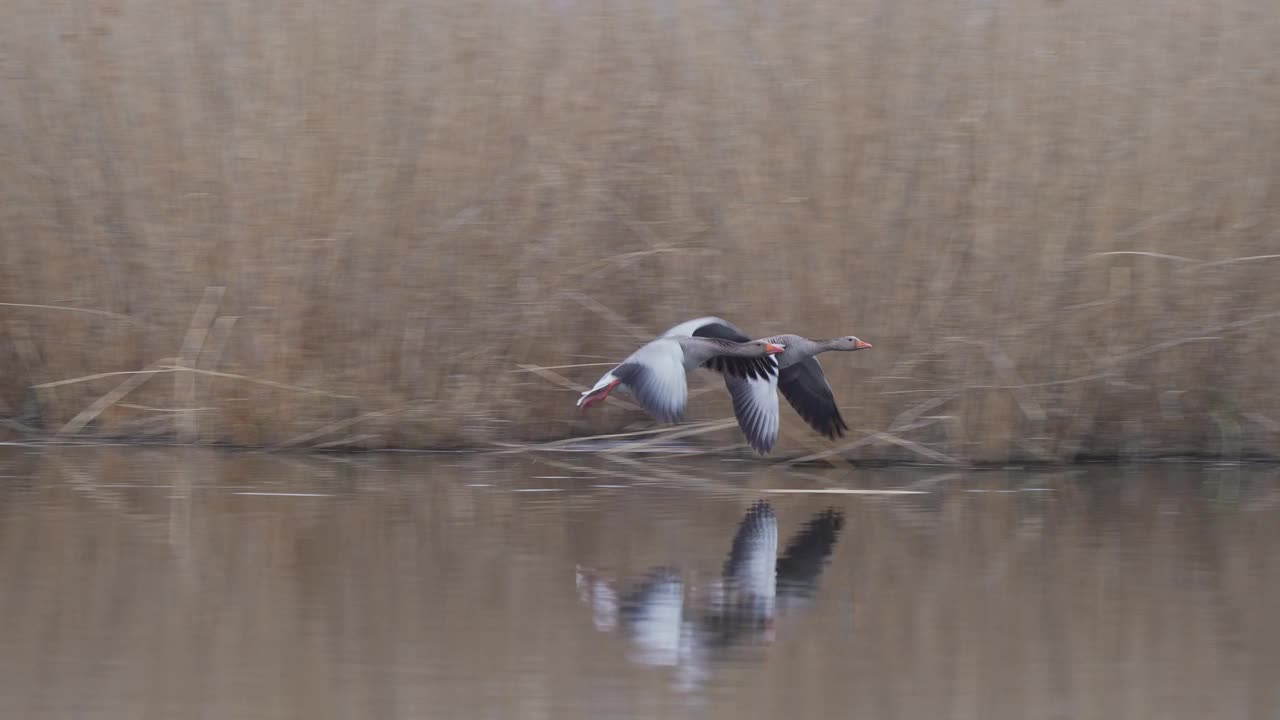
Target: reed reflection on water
{"points": [[181, 583]]}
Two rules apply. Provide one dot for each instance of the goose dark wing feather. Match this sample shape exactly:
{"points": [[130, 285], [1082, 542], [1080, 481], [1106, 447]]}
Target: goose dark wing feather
{"points": [[806, 389], [745, 368], [721, 330], [756, 368]]}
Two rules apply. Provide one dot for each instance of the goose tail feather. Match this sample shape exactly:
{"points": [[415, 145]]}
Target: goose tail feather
{"points": [[602, 387]]}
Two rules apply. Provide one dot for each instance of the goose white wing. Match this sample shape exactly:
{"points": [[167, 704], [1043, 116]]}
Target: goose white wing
{"points": [[755, 404], [655, 376]]}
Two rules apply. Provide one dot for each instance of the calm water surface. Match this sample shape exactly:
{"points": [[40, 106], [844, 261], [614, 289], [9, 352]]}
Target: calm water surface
{"points": [[140, 583]]}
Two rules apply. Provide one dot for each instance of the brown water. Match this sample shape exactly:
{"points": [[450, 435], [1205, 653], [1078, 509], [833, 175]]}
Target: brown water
{"points": [[141, 583]]}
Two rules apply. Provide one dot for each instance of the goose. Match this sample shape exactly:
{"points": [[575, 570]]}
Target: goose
{"points": [[656, 374], [797, 375]]}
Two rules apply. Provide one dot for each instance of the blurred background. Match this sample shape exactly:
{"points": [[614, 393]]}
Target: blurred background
{"points": [[393, 224]]}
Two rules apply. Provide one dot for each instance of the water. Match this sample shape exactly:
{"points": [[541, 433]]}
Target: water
{"points": [[140, 583]]}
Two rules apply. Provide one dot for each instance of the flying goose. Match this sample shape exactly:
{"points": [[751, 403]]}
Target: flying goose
{"points": [[798, 376]]}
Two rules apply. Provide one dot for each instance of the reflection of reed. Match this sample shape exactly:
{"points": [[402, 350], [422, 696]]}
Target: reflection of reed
{"points": [[1147, 593]]}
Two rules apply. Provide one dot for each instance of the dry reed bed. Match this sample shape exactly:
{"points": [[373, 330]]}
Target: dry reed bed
{"points": [[1056, 221]]}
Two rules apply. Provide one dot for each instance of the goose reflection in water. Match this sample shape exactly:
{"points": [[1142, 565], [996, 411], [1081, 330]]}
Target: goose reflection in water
{"points": [[736, 610]]}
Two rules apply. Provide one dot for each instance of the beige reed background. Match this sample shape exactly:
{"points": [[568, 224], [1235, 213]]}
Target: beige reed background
{"points": [[361, 224]]}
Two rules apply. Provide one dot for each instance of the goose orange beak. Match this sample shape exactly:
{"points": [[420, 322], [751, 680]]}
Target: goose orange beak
{"points": [[860, 345], [771, 349]]}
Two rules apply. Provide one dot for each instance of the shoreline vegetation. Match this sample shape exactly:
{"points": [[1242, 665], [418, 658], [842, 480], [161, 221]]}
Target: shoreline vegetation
{"points": [[658, 445], [429, 225], [660, 449]]}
